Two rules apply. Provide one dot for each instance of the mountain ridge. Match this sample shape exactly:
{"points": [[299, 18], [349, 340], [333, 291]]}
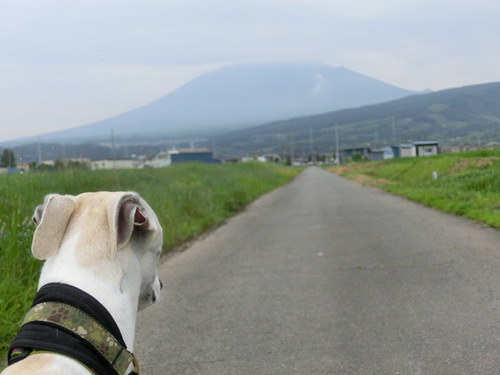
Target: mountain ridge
{"points": [[239, 96], [467, 115], [463, 115]]}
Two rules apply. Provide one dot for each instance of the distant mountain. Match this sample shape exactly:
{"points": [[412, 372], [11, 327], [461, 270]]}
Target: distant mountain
{"points": [[466, 115], [235, 97]]}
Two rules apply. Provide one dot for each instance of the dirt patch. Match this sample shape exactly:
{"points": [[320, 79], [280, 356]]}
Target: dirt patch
{"points": [[366, 180], [347, 168], [464, 164], [360, 178]]}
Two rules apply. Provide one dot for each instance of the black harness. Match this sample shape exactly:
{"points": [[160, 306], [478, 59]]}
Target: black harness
{"points": [[47, 336]]}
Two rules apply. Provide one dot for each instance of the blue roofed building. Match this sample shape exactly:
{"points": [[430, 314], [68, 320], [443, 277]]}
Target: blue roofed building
{"points": [[206, 157]]}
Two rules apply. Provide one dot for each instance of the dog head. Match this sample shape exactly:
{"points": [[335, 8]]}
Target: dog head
{"points": [[103, 228]]}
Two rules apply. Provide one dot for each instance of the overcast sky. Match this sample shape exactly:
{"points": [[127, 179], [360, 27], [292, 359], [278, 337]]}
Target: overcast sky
{"points": [[65, 63]]}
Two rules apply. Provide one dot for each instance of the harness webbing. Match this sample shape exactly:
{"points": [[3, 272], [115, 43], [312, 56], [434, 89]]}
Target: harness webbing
{"points": [[66, 320]]}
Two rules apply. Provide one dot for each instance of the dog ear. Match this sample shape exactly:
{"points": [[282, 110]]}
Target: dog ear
{"points": [[51, 219], [126, 215]]}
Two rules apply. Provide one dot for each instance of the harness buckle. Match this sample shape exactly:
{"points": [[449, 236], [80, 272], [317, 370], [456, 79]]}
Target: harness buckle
{"points": [[18, 354]]}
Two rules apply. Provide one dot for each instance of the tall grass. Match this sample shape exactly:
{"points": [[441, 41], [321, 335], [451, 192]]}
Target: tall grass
{"points": [[468, 184], [188, 199]]}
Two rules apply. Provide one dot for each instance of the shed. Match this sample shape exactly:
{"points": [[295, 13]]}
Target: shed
{"points": [[403, 151], [381, 154], [426, 148]]}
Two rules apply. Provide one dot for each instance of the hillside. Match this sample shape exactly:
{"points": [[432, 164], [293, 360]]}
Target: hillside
{"points": [[240, 96], [468, 114]]}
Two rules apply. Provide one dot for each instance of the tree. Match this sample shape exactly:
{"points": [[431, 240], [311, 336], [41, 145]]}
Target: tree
{"points": [[8, 159], [356, 156]]}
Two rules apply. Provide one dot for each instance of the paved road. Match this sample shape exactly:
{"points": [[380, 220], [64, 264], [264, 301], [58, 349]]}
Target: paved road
{"points": [[324, 276]]}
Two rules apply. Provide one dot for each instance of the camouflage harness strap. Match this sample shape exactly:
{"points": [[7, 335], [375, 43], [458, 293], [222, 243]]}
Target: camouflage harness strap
{"points": [[83, 325]]}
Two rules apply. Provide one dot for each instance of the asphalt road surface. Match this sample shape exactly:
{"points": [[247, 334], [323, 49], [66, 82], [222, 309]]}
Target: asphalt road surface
{"points": [[324, 276]]}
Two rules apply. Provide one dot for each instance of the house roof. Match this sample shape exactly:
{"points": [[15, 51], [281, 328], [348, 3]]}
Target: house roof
{"points": [[423, 143]]}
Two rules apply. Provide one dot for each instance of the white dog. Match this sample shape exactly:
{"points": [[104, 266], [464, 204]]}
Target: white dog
{"points": [[101, 251]]}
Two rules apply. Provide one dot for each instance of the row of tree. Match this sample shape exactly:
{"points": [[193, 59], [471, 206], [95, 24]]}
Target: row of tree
{"points": [[8, 159]]}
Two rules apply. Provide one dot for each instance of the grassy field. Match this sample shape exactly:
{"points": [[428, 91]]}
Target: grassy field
{"points": [[468, 184], [188, 199]]}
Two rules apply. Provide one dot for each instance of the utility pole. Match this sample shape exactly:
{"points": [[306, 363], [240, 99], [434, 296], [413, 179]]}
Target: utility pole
{"points": [[39, 148], [290, 143], [337, 151], [113, 156], [311, 143], [393, 129]]}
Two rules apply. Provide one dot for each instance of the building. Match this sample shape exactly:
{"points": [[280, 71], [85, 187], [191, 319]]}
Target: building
{"points": [[167, 158], [403, 151], [381, 154], [113, 164], [160, 160], [206, 157], [426, 148]]}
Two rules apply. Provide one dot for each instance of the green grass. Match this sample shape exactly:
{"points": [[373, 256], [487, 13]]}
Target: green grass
{"points": [[188, 200], [468, 183]]}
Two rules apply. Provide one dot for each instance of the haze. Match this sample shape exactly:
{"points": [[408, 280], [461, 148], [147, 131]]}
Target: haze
{"points": [[69, 63]]}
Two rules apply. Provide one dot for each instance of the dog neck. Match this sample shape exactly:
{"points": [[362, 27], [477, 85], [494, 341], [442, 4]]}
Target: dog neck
{"points": [[68, 321], [106, 280]]}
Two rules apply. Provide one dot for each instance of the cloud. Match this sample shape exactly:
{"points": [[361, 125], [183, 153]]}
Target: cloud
{"points": [[72, 62]]}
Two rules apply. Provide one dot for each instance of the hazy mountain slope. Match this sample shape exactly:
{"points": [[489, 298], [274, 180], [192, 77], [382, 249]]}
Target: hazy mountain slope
{"points": [[245, 95], [463, 115], [468, 114]]}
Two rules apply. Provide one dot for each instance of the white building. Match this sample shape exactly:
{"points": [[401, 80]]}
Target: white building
{"points": [[161, 159], [113, 164], [426, 148]]}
